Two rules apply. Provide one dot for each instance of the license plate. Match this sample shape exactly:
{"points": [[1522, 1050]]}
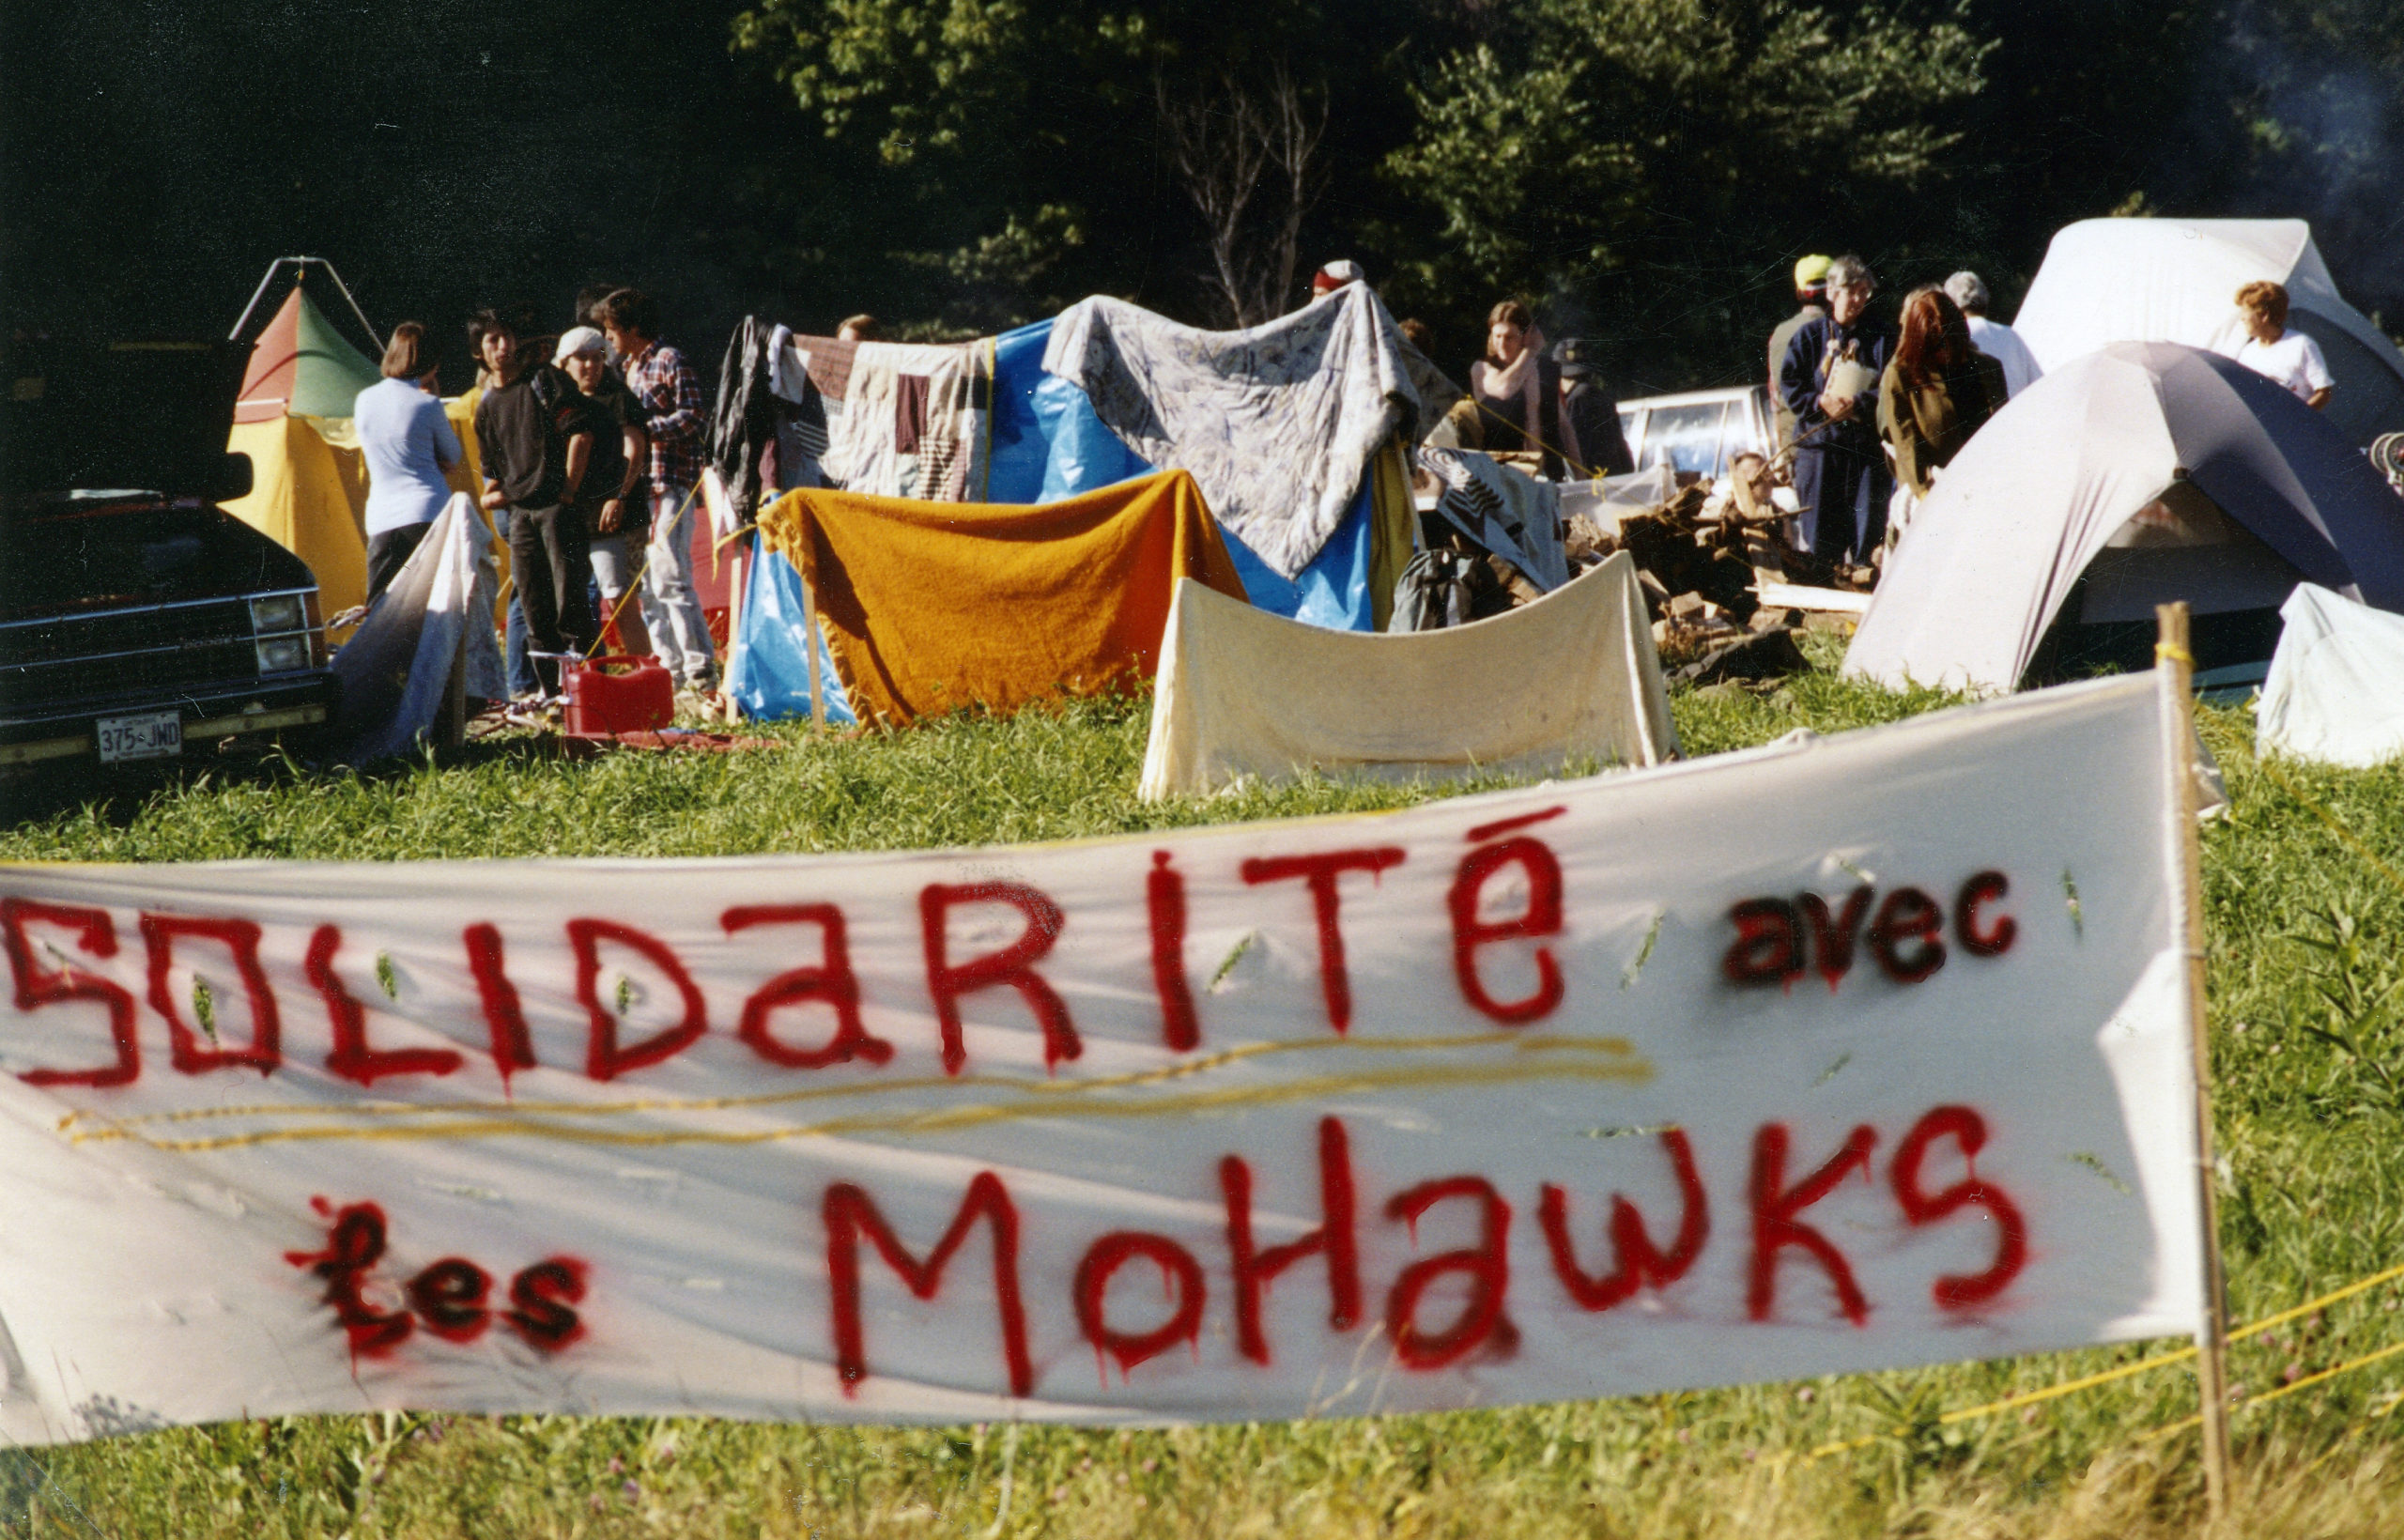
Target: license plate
{"points": [[152, 735]]}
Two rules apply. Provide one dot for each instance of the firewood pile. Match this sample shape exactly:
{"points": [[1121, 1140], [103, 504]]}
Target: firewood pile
{"points": [[1701, 564]]}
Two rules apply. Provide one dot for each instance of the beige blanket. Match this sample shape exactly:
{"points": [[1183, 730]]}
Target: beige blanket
{"points": [[1567, 680]]}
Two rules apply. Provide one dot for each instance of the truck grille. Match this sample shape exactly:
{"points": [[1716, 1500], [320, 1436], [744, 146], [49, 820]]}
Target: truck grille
{"points": [[160, 651]]}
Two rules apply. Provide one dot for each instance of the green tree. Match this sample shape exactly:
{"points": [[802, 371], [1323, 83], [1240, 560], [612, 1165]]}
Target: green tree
{"points": [[1031, 130], [1646, 165]]}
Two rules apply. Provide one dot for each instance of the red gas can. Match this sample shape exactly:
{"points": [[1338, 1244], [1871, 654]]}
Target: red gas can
{"points": [[600, 705]]}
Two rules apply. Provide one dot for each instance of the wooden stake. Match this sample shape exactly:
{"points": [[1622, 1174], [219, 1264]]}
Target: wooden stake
{"points": [[810, 643], [2173, 659]]}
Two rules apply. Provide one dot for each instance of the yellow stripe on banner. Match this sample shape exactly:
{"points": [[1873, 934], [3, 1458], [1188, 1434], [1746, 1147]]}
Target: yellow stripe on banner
{"points": [[2072, 1387], [937, 1121], [116, 1127]]}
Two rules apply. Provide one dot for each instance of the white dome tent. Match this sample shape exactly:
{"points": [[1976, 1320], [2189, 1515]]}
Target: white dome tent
{"points": [[2176, 279], [2136, 475]]}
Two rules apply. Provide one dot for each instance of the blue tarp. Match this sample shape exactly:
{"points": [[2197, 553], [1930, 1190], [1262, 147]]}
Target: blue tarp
{"points": [[770, 675], [1048, 445]]}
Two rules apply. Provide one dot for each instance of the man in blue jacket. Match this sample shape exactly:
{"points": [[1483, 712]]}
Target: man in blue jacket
{"points": [[1829, 381]]}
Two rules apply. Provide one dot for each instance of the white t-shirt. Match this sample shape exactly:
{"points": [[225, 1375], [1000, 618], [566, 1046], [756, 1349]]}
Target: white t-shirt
{"points": [[2003, 345], [2294, 361]]}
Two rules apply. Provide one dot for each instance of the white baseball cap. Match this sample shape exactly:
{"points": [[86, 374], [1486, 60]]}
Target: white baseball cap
{"points": [[580, 339]]}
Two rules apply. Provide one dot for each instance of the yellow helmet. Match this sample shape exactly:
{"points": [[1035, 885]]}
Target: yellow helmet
{"points": [[1812, 269]]}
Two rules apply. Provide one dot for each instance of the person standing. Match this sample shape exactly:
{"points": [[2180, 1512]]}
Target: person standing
{"points": [[1937, 390], [1968, 292], [615, 495], [407, 443], [1811, 297], [537, 445], [1829, 380], [1594, 416], [669, 395], [2271, 349], [1518, 391]]}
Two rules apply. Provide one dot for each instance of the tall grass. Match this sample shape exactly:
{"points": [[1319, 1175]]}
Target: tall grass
{"points": [[2306, 995]]}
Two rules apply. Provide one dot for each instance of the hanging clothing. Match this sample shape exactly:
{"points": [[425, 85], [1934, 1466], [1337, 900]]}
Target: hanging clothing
{"points": [[801, 419], [914, 421], [1506, 510]]}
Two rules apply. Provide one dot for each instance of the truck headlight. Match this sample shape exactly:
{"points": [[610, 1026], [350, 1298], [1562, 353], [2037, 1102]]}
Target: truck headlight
{"points": [[282, 655], [278, 612]]}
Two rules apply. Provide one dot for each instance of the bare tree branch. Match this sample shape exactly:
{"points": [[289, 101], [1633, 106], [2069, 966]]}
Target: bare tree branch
{"points": [[1223, 137]]}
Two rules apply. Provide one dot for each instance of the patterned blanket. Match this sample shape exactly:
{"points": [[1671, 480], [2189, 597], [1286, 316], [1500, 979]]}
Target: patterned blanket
{"points": [[1276, 423], [1504, 510]]}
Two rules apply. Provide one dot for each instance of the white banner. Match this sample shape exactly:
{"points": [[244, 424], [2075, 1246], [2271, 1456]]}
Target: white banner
{"points": [[1826, 1057]]}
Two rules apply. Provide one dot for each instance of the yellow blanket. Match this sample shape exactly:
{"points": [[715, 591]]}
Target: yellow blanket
{"points": [[928, 607]]}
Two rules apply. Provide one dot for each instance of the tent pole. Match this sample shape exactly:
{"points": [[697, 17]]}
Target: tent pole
{"points": [[256, 295], [356, 314], [2173, 659]]}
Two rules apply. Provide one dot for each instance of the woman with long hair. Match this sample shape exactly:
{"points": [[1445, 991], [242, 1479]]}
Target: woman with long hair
{"points": [[1518, 391], [1938, 389]]}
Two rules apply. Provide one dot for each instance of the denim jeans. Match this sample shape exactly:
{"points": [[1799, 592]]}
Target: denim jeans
{"points": [[521, 667], [516, 667], [679, 630]]}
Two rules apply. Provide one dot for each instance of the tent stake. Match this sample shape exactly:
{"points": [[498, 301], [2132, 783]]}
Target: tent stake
{"points": [[2173, 659]]}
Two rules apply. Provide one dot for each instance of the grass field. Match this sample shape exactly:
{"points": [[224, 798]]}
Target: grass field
{"points": [[2305, 881]]}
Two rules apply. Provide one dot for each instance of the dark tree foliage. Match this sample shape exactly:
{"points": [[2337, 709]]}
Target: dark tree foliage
{"points": [[1644, 170]]}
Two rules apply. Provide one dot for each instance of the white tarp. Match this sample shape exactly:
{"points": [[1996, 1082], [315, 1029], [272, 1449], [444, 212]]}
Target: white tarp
{"points": [[2336, 692], [395, 669], [1574, 1090], [2176, 279], [1533, 691], [2037, 494]]}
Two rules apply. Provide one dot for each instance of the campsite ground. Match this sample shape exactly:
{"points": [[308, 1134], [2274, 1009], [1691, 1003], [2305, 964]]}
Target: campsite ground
{"points": [[2301, 895]]}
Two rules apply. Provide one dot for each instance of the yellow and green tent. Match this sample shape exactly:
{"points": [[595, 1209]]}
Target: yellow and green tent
{"points": [[308, 479]]}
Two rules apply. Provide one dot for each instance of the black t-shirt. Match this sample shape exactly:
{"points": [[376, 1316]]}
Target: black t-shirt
{"points": [[521, 435], [608, 412]]}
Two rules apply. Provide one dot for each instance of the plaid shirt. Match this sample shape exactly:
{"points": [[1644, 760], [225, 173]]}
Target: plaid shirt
{"points": [[670, 396]]}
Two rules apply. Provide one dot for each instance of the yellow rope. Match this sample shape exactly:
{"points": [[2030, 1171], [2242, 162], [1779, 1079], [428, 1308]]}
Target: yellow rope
{"points": [[2072, 1387], [2167, 652], [1531, 434], [2330, 818], [2169, 1429]]}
